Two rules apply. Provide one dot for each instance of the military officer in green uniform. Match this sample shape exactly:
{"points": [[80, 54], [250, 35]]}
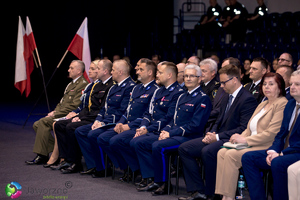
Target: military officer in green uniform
{"points": [[44, 141]]}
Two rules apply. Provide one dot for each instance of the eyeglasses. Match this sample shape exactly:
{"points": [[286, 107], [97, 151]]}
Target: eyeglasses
{"points": [[282, 59], [190, 76], [224, 82]]}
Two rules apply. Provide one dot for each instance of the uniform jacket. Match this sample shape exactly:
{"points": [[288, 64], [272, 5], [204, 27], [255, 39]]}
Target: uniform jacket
{"points": [[268, 124], [237, 117], [71, 98], [98, 97], [294, 140], [162, 108], [191, 114], [211, 89], [116, 102], [139, 103], [254, 91]]}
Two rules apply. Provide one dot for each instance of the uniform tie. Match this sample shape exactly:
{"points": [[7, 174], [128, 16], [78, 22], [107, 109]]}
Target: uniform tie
{"points": [[286, 144]]}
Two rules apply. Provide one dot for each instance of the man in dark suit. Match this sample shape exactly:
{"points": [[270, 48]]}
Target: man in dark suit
{"points": [[191, 113], [258, 69], [44, 141], [284, 151], [209, 83], [115, 105], [286, 71], [160, 113], [65, 129], [235, 112], [140, 98]]}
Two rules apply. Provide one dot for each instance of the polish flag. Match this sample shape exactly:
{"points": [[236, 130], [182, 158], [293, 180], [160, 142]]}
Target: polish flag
{"points": [[29, 47], [20, 68], [80, 47]]}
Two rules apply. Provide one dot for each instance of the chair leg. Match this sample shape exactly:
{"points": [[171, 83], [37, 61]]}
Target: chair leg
{"points": [[169, 174], [177, 175], [106, 164], [113, 172], [128, 173]]}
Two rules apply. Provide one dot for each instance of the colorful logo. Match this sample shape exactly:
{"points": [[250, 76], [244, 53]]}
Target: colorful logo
{"points": [[13, 190]]}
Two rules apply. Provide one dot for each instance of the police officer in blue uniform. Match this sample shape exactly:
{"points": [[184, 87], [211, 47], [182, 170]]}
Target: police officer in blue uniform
{"points": [[132, 118], [191, 114], [161, 112], [116, 104]]}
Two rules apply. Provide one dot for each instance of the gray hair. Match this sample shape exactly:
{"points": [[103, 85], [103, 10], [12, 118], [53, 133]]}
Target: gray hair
{"points": [[80, 65], [213, 66], [295, 73], [195, 67]]}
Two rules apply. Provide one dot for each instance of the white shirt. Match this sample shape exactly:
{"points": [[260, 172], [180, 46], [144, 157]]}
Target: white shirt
{"points": [[253, 122]]}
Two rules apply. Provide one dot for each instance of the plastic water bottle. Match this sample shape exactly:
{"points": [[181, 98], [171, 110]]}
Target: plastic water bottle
{"points": [[241, 186]]}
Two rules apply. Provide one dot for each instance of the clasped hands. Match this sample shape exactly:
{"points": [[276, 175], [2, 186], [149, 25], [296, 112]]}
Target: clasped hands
{"points": [[119, 128], [209, 138]]}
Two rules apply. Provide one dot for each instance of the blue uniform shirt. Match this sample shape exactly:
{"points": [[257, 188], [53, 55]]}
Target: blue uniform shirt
{"points": [[191, 114], [116, 102], [162, 108], [139, 101]]}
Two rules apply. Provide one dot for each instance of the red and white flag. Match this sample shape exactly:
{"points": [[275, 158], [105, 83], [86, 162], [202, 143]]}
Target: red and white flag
{"points": [[80, 47], [24, 57], [20, 69]]}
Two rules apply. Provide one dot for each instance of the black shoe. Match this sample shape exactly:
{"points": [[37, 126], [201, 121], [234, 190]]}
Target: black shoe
{"points": [[98, 174], [162, 190], [72, 169], [49, 165], [194, 196], [126, 178], [89, 171], [62, 165], [150, 187], [144, 182], [38, 160]]}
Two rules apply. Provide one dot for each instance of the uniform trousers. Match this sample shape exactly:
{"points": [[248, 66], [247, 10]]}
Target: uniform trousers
{"points": [[189, 152], [66, 140], [142, 146], [44, 141], [104, 140], [294, 181], [254, 161], [120, 144], [87, 140]]}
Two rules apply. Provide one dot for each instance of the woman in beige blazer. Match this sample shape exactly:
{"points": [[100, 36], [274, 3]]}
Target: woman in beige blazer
{"points": [[261, 130]]}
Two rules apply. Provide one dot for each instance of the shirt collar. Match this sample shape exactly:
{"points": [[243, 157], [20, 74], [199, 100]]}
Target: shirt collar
{"points": [[236, 91], [104, 82], [122, 81], [145, 85], [257, 82], [74, 80], [190, 92]]}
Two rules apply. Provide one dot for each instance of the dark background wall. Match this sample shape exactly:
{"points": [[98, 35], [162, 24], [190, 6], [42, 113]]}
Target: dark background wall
{"points": [[138, 26]]}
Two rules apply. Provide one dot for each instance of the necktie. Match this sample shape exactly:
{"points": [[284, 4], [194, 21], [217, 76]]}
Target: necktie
{"points": [[229, 103], [252, 86], [286, 144], [90, 98]]}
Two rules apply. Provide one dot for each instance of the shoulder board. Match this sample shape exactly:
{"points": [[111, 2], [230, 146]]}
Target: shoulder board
{"points": [[246, 84]]}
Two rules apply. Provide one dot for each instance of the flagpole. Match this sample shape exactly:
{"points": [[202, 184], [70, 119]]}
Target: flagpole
{"points": [[38, 56], [62, 58]]}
